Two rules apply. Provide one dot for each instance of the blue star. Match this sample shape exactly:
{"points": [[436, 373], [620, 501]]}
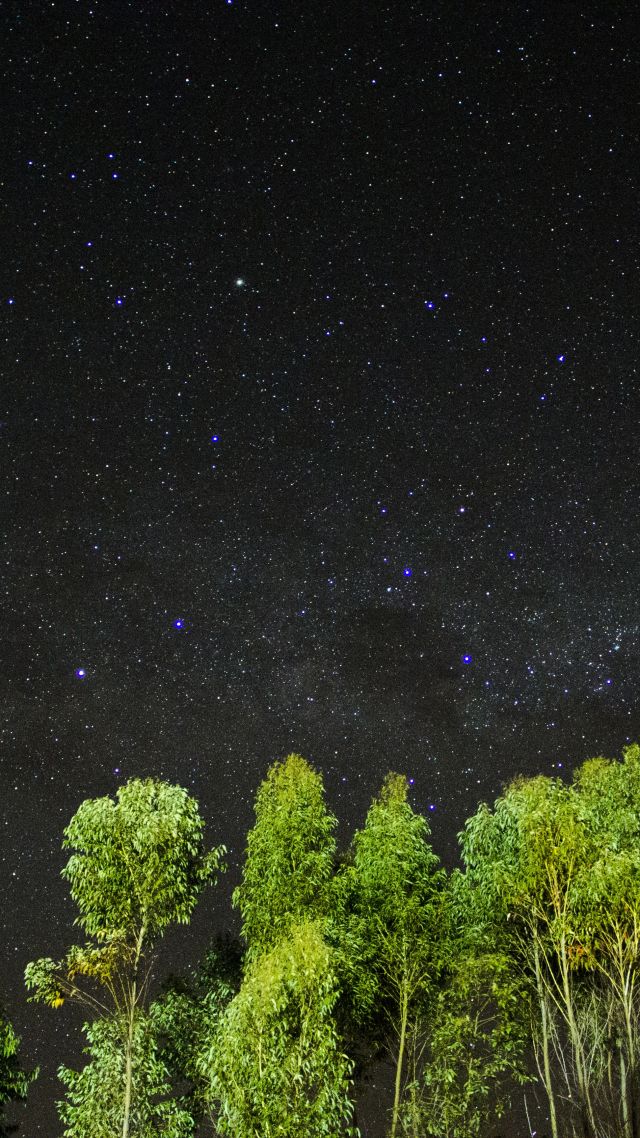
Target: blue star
{"points": [[215, 438], [561, 358], [119, 301], [178, 622], [429, 304], [512, 555], [467, 658], [81, 673], [407, 571]]}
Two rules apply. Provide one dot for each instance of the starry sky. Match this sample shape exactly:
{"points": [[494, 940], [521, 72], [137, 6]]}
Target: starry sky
{"points": [[318, 405]]}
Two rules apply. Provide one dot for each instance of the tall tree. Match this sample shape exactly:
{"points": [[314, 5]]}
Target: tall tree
{"points": [[393, 897], [475, 1048], [530, 859], [274, 1064], [607, 919], [14, 1080], [287, 875], [138, 865]]}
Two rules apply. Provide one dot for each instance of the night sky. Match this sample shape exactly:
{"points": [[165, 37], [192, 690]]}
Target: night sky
{"points": [[318, 417]]}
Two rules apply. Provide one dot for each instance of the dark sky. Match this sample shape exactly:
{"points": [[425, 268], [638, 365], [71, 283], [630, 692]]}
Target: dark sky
{"points": [[318, 416]]}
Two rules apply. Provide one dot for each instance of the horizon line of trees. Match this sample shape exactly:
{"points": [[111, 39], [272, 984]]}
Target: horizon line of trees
{"points": [[520, 967]]}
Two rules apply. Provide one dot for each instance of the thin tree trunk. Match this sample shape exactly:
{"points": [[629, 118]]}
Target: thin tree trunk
{"points": [[129, 1051], [586, 1109], [630, 1098], [404, 1015], [624, 1093], [545, 1045]]}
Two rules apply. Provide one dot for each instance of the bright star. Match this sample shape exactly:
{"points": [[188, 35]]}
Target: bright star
{"points": [[80, 673], [239, 281], [467, 658]]}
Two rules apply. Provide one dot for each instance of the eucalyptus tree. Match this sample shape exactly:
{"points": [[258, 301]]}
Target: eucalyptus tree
{"points": [[274, 1063], [607, 911], [528, 860], [288, 871], [393, 893], [478, 1035], [475, 1051], [138, 866]]}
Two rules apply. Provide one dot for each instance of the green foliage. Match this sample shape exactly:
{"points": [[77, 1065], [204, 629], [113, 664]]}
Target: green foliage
{"points": [[393, 898], [476, 1051], [94, 1104], [139, 861], [555, 873], [535, 941], [274, 1064], [138, 865], [394, 927], [14, 1080], [290, 856]]}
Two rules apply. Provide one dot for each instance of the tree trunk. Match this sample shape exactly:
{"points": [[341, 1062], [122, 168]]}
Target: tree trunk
{"points": [[133, 991], [404, 1016], [624, 1092], [632, 1125], [545, 1045], [586, 1108]]}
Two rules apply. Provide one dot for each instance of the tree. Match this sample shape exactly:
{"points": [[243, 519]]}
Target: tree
{"points": [[14, 1080], [475, 1049], [274, 1063], [607, 919], [138, 866], [288, 869], [393, 898], [535, 861]]}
